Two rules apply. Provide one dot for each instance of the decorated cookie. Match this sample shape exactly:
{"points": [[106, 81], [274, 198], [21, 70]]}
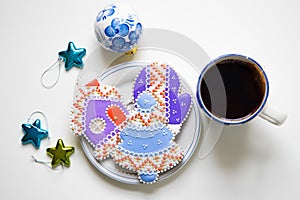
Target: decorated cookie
{"points": [[140, 139], [96, 112]]}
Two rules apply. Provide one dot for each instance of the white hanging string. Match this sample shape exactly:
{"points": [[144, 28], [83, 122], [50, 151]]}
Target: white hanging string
{"points": [[46, 163], [59, 61], [42, 162], [30, 120]]}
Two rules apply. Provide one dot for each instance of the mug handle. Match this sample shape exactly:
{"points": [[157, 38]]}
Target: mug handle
{"points": [[215, 128], [273, 116]]}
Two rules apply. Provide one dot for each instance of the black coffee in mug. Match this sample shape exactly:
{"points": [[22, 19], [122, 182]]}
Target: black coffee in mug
{"points": [[233, 88]]}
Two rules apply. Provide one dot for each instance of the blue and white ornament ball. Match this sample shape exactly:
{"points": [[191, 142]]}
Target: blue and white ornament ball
{"points": [[118, 28]]}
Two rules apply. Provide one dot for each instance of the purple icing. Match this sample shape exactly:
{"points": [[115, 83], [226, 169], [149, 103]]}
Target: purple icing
{"points": [[179, 106], [185, 102], [97, 108], [174, 81], [140, 83], [175, 110]]}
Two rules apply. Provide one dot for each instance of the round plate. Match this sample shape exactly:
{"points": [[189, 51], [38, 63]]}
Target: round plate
{"points": [[121, 71]]}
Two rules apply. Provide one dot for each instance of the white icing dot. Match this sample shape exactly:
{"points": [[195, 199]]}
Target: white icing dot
{"points": [[145, 146], [165, 133], [125, 133]]}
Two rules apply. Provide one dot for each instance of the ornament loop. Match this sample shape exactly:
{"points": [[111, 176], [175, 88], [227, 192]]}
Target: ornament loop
{"points": [[30, 119], [59, 61]]}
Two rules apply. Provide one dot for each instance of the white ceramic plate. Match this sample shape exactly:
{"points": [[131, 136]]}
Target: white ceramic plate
{"points": [[121, 70]]}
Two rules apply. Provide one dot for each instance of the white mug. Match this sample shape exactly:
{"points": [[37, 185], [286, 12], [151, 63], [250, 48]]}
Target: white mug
{"points": [[218, 95], [261, 109]]}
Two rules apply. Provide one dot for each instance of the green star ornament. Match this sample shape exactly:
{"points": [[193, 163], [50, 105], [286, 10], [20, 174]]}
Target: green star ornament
{"points": [[72, 56], [60, 154]]}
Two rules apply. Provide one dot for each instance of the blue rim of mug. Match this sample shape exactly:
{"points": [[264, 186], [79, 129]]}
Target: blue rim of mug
{"points": [[229, 121]]}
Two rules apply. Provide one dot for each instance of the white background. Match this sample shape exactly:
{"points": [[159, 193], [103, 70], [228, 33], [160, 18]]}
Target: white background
{"points": [[255, 161]]}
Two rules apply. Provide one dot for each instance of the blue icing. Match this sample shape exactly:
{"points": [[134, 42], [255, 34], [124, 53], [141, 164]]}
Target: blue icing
{"points": [[145, 141], [148, 178], [146, 101], [141, 133]]}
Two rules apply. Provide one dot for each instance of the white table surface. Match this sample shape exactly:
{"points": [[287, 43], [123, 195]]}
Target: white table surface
{"points": [[254, 161]]}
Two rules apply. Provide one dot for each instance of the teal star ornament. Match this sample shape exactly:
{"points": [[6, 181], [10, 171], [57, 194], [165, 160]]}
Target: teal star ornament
{"points": [[72, 56], [33, 133]]}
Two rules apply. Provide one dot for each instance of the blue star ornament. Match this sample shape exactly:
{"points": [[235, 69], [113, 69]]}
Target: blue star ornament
{"points": [[72, 56], [33, 134]]}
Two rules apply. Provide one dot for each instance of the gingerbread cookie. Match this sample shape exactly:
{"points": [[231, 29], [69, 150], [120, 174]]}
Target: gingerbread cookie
{"points": [[141, 139]]}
